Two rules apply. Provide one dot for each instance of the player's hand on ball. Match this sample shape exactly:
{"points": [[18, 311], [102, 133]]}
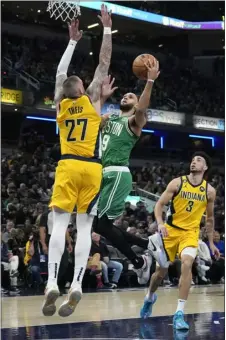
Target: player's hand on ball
{"points": [[162, 230], [74, 32], [105, 17], [153, 69], [107, 90], [215, 251]]}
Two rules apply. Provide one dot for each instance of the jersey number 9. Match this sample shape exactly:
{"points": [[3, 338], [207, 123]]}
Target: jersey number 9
{"points": [[72, 124]]}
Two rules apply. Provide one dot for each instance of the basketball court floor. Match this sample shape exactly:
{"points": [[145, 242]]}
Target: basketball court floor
{"points": [[115, 315]]}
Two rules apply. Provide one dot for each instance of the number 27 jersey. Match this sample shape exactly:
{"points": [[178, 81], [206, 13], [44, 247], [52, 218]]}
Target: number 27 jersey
{"points": [[79, 126], [188, 205]]}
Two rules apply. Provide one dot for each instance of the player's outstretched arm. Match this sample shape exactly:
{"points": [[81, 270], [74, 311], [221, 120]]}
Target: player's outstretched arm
{"points": [[144, 101], [210, 220], [94, 89], [61, 75], [165, 198]]}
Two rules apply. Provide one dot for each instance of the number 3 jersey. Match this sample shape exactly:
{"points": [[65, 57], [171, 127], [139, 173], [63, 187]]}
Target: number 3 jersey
{"points": [[188, 205], [79, 126], [118, 141]]}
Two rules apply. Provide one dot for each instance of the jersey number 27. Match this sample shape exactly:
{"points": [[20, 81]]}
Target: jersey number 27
{"points": [[71, 123]]}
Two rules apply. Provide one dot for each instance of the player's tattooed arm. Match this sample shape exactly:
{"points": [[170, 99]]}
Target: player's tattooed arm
{"points": [[94, 89], [75, 35], [144, 101], [171, 190]]}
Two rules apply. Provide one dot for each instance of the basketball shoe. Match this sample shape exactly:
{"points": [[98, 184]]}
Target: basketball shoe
{"points": [[51, 295], [146, 310], [178, 321], [73, 298], [143, 274]]}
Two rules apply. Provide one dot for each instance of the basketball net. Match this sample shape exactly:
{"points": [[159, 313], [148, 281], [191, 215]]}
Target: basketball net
{"points": [[64, 10]]}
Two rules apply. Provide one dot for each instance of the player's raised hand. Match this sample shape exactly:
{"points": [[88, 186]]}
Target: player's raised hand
{"points": [[74, 32], [107, 90], [152, 69], [105, 16]]}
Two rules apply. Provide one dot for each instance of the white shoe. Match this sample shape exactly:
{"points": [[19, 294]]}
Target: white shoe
{"points": [[156, 248], [143, 274], [51, 295], [69, 305]]}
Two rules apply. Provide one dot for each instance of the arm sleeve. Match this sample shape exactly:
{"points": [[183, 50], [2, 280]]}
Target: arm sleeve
{"points": [[62, 69]]}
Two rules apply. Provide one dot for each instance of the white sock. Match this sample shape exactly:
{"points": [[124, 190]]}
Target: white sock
{"points": [[180, 305], [149, 296], [82, 248], [61, 220]]}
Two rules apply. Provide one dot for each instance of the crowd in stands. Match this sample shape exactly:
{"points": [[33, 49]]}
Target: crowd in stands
{"points": [[27, 178], [189, 92]]}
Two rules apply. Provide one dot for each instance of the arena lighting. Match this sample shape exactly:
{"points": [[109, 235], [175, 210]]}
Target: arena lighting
{"points": [[148, 131], [93, 25], [204, 137], [90, 53], [41, 118], [162, 142], [115, 31], [154, 18]]}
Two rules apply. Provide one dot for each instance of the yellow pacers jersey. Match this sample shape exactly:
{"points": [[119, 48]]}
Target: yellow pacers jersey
{"points": [[79, 126], [188, 205]]}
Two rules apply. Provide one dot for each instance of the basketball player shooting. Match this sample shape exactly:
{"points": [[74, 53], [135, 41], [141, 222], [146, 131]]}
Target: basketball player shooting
{"points": [[190, 197], [119, 136], [79, 172]]}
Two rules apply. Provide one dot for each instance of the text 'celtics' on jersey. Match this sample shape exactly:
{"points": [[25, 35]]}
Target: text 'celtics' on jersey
{"points": [[188, 205], [118, 141], [79, 126]]}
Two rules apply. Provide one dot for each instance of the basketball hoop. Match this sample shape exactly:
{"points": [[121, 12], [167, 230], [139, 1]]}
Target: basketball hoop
{"points": [[64, 10]]}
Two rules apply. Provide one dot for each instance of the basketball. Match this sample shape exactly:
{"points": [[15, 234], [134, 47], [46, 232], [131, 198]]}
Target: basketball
{"points": [[139, 68]]}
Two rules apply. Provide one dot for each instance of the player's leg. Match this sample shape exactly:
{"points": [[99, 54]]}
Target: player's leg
{"points": [[116, 186], [86, 210], [63, 201], [188, 251], [170, 244]]}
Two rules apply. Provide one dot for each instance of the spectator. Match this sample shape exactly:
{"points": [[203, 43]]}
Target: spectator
{"points": [[99, 247], [32, 258]]}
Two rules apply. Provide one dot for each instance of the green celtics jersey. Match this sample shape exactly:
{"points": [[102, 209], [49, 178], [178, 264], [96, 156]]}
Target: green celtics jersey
{"points": [[117, 142]]}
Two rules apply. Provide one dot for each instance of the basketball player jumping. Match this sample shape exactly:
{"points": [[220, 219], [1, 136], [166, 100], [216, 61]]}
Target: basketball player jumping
{"points": [[119, 136], [79, 172], [190, 197]]}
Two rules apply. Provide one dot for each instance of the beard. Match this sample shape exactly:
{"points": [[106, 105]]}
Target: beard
{"points": [[126, 107]]}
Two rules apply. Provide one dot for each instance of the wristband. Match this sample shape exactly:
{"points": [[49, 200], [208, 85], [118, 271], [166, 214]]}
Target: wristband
{"points": [[151, 80], [73, 42], [107, 30]]}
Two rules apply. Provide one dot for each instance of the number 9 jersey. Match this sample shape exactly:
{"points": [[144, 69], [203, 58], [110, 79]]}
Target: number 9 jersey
{"points": [[79, 126], [79, 172]]}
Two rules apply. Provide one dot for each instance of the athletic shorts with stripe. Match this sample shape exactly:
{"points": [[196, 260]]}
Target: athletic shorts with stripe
{"points": [[77, 183], [116, 186]]}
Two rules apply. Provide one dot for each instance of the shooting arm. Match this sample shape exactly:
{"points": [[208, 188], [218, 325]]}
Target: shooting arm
{"points": [[143, 104], [62, 69], [210, 215], [94, 89], [165, 198]]}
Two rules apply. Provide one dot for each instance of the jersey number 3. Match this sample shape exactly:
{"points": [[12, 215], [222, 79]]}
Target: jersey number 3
{"points": [[72, 124], [190, 206]]}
